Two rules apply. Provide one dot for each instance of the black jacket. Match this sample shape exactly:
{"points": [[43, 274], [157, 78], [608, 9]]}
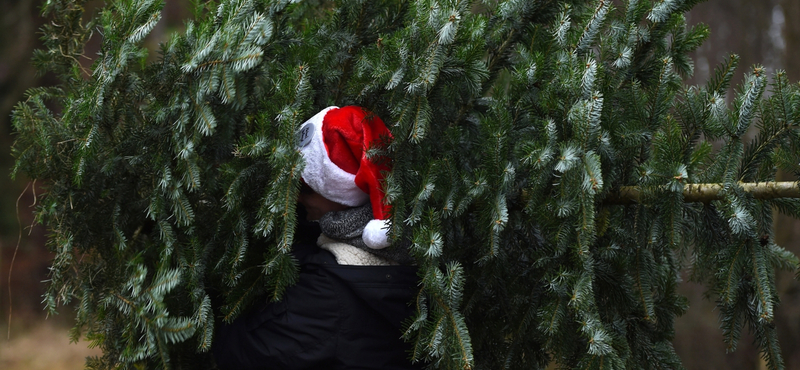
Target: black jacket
{"points": [[335, 317]]}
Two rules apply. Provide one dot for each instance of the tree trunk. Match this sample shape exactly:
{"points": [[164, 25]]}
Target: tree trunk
{"points": [[791, 34], [708, 192]]}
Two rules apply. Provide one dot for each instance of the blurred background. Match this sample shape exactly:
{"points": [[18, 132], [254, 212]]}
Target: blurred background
{"points": [[763, 32]]}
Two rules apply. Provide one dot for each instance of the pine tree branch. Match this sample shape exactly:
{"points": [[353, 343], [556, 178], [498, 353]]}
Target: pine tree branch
{"points": [[708, 192]]}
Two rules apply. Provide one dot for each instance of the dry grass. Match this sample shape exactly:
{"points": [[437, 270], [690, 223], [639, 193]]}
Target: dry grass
{"points": [[45, 346]]}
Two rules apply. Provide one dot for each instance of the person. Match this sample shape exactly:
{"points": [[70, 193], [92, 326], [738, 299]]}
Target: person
{"points": [[354, 290]]}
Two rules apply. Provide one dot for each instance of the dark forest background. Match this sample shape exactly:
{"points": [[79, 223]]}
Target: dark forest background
{"points": [[760, 32]]}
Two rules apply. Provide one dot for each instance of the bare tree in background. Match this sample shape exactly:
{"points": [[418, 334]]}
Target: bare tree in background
{"points": [[20, 24], [791, 10]]}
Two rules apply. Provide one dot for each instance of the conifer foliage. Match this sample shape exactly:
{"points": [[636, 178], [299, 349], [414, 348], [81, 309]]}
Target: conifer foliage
{"points": [[172, 176]]}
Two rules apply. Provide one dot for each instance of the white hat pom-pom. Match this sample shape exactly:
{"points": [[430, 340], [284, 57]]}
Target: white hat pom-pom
{"points": [[375, 234]]}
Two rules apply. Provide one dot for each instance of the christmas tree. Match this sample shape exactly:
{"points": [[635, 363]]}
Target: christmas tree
{"points": [[550, 168]]}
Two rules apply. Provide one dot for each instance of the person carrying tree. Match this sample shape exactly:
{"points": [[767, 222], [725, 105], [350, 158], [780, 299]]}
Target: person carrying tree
{"points": [[354, 289]]}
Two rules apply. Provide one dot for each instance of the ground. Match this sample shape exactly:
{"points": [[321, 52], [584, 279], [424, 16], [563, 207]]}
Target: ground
{"points": [[44, 346]]}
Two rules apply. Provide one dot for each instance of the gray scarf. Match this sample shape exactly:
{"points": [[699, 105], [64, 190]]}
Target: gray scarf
{"points": [[348, 225]]}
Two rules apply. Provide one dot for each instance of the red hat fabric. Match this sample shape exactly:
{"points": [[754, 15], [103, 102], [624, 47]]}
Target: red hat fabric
{"points": [[334, 144]]}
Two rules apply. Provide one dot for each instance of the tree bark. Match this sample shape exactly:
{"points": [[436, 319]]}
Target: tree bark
{"points": [[708, 192], [791, 34]]}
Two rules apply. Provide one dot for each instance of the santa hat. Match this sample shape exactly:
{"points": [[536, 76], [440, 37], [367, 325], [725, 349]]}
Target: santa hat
{"points": [[334, 144]]}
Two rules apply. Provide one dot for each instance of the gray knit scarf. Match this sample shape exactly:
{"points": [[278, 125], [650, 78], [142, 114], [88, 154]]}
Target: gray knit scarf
{"points": [[348, 225]]}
